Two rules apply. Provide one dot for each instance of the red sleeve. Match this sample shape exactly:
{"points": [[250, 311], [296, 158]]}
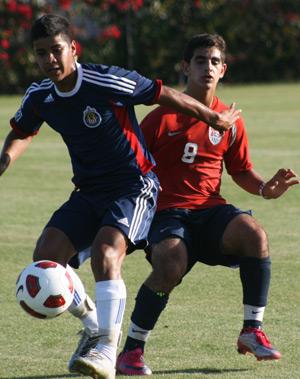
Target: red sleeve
{"points": [[158, 90], [237, 158], [150, 126]]}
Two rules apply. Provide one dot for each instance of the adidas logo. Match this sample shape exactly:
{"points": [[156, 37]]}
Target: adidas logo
{"points": [[123, 221], [49, 99]]}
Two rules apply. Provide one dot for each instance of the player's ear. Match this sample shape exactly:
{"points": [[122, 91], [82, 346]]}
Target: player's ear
{"points": [[224, 68], [185, 67], [73, 48]]}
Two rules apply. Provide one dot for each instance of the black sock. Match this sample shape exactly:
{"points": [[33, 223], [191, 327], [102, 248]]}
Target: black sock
{"points": [[255, 275], [131, 344], [252, 324], [148, 307]]}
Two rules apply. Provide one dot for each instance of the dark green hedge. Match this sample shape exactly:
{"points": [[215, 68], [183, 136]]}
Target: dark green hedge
{"points": [[263, 36]]}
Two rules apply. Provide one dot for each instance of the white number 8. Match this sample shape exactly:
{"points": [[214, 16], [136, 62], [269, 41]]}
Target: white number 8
{"points": [[189, 153]]}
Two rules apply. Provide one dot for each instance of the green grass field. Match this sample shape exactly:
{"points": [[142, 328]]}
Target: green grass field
{"points": [[196, 335]]}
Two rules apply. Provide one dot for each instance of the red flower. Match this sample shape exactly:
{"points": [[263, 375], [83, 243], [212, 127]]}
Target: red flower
{"points": [[136, 4], [125, 5], [4, 56], [4, 43], [25, 11], [65, 4], [111, 32], [12, 5], [78, 49], [197, 3]]}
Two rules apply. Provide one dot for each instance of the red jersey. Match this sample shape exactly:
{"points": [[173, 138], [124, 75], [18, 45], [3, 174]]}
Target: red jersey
{"points": [[190, 156]]}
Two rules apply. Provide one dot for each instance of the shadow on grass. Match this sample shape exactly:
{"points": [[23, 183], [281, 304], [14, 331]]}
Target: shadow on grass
{"points": [[41, 377], [203, 371]]}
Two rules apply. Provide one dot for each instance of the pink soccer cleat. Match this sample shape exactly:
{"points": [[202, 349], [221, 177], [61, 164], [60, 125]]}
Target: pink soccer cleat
{"points": [[132, 363]]}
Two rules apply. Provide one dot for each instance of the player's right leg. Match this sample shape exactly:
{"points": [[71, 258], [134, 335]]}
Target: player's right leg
{"points": [[169, 261], [63, 236]]}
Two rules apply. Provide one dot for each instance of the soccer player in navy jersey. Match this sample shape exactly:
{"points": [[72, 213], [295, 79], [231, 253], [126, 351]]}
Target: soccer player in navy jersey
{"points": [[92, 107], [193, 221]]}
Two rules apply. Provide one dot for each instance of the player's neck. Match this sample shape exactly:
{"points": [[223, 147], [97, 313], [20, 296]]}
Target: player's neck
{"points": [[68, 83], [205, 97]]}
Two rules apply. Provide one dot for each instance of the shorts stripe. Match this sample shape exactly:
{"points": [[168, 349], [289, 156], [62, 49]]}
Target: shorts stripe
{"points": [[141, 208]]}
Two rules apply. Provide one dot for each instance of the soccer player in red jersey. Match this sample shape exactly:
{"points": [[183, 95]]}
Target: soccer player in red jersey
{"points": [[194, 222], [91, 106]]}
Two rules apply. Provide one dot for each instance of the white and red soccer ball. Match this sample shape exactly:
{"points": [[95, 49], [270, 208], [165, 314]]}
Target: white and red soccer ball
{"points": [[45, 289]]}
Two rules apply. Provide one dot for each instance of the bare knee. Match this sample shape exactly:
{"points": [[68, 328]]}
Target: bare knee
{"points": [[169, 263], [53, 245], [245, 237], [108, 253]]}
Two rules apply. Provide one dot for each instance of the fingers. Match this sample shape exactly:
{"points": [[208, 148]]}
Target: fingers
{"points": [[290, 174], [233, 110], [293, 182], [286, 172]]}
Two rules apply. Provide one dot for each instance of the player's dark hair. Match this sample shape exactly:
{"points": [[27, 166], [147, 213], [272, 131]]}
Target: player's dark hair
{"points": [[50, 25], [204, 40]]}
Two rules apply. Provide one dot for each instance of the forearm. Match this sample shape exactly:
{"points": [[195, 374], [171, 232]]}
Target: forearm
{"points": [[13, 147], [185, 104], [249, 181]]}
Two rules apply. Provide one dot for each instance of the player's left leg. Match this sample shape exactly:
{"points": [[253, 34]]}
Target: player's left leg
{"points": [[108, 253], [246, 239]]}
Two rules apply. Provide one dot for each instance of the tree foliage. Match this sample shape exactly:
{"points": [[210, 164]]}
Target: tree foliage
{"points": [[149, 36]]}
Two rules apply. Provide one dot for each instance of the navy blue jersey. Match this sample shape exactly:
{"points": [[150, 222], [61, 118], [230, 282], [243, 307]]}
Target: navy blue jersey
{"points": [[97, 122]]}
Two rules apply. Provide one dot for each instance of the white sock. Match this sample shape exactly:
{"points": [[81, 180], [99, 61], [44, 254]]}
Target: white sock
{"points": [[252, 312], [110, 303], [138, 333], [82, 306]]}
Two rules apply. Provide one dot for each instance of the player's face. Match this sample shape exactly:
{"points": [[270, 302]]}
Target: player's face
{"points": [[205, 69], [56, 59]]}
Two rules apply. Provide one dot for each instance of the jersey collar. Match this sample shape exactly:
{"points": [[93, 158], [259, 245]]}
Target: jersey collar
{"points": [[77, 85]]}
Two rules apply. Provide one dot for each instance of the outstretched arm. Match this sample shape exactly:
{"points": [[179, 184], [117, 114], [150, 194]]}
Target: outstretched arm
{"points": [[251, 182], [188, 105], [13, 147]]}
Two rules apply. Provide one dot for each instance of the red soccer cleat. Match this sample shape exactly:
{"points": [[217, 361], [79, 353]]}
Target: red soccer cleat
{"points": [[254, 341]]}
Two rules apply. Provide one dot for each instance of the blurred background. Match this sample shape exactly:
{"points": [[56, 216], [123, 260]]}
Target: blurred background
{"points": [[263, 36]]}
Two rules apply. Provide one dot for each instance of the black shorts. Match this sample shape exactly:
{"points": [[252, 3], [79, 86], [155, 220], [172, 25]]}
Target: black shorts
{"points": [[202, 231]]}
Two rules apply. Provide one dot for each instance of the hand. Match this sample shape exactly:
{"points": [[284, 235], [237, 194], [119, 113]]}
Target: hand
{"points": [[225, 119], [280, 183]]}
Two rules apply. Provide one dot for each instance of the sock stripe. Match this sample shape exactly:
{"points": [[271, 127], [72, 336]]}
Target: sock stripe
{"points": [[76, 298], [121, 310]]}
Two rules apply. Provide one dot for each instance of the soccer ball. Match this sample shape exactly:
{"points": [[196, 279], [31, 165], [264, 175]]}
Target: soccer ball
{"points": [[44, 289]]}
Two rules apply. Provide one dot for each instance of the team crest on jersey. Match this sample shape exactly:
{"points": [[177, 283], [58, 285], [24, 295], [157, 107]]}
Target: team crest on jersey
{"points": [[214, 135], [91, 117]]}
